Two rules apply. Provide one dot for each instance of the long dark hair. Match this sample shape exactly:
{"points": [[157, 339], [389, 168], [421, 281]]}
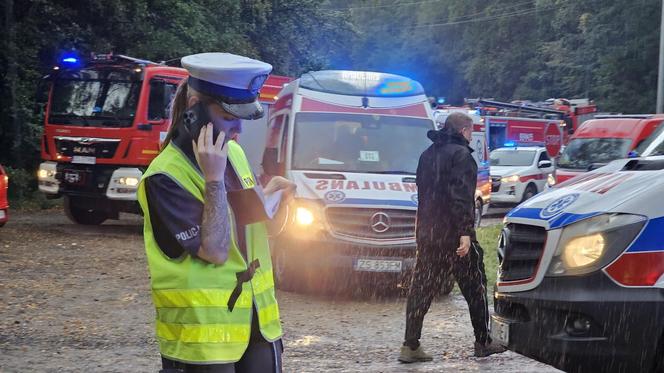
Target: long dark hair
{"points": [[177, 110]]}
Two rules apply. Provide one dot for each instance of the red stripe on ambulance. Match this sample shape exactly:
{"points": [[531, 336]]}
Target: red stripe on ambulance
{"points": [[365, 185]]}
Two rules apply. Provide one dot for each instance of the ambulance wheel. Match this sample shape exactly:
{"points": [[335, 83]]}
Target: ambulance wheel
{"points": [[478, 212], [82, 215], [284, 271], [530, 192], [447, 286]]}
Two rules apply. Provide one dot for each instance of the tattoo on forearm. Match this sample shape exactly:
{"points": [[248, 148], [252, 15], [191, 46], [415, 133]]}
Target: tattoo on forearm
{"points": [[216, 227]]}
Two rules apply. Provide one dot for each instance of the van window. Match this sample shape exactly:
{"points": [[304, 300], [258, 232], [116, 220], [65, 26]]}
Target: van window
{"points": [[582, 153], [359, 142], [543, 157]]}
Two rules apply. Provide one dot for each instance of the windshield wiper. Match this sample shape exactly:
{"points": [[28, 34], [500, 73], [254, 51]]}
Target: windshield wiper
{"points": [[85, 121], [118, 120]]}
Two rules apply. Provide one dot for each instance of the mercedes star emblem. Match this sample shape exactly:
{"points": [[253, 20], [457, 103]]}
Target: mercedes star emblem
{"points": [[380, 222]]}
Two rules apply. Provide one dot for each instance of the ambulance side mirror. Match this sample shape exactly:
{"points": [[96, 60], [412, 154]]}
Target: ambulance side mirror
{"points": [[544, 164]]}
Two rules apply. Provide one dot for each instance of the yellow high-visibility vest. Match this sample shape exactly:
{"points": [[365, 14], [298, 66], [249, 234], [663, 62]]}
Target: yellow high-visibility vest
{"points": [[193, 321]]}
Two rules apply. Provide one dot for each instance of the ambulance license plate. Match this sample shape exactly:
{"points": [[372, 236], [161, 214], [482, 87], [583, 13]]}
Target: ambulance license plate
{"points": [[373, 265], [83, 159], [500, 331]]}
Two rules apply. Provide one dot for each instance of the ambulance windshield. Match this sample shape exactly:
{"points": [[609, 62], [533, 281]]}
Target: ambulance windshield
{"points": [[581, 153], [94, 98], [361, 143]]}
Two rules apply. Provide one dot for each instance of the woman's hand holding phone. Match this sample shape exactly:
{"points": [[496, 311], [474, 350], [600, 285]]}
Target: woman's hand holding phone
{"points": [[211, 155]]}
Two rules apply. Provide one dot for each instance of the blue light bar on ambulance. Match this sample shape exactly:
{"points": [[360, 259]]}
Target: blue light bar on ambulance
{"points": [[510, 144], [361, 83], [70, 60]]}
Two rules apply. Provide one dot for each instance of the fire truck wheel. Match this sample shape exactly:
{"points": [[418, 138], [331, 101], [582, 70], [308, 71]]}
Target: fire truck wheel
{"points": [[82, 215], [478, 212], [530, 192]]}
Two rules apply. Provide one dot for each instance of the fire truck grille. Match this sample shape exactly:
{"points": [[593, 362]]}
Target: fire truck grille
{"points": [[522, 247], [97, 149], [495, 184], [366, 223]]}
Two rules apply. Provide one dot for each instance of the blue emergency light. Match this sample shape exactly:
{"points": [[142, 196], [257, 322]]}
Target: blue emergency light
{"points": [[441, 100], [70, 60], [510, 144]]}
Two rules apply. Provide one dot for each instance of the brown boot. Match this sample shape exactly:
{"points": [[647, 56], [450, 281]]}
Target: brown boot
{"points": [[487, 349], [409, 355]]}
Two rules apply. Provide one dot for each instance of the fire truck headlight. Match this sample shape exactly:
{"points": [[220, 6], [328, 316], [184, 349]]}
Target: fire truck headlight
{"points": [[128, 181], [583, 251], [593, 243], [304, 216], [45, 174], [510, 179]]}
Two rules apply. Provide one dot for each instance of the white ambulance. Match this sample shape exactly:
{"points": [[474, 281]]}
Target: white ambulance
{"points": [[581, 277], [351, 142]]}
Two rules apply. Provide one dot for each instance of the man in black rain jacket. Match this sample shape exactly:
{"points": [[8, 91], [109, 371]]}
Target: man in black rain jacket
{"points": [[446, 244]]}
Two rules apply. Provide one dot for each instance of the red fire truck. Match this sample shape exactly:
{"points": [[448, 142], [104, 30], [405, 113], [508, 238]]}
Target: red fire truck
{"points": [[106, 117], [512, 125], [4, 204]]}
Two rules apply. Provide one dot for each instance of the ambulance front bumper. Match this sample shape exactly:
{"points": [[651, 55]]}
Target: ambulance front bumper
{"points": [[582, 324], [345, 258]]}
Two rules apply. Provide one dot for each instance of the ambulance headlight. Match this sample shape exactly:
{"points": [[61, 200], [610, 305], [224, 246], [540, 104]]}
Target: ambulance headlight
{"points": [[583, 251], [304, 216], [550, 180], [510, 179], [593, 243]]}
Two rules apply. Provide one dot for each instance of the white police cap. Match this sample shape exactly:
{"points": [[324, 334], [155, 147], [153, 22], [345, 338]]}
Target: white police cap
{"points": [[233, 80]]}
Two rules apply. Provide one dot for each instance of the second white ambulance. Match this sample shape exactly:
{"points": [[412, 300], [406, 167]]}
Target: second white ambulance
{"points": [[351, 142]]}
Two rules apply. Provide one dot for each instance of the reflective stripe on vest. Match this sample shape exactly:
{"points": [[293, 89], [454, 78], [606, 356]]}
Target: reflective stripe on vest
{"points": [[193, 322]]}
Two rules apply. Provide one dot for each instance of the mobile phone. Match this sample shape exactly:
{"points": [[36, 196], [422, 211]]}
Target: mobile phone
{"points": [[195, 118]]}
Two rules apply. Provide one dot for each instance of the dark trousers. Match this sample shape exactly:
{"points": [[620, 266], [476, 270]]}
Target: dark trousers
{"points": [[435, 265], [260, 357]]}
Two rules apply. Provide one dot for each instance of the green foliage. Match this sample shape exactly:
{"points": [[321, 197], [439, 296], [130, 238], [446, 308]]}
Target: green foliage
{"points": [[606, 50], [488, 239]]}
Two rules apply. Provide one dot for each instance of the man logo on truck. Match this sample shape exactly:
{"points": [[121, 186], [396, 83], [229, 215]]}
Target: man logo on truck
{"points": [[557, 206]]}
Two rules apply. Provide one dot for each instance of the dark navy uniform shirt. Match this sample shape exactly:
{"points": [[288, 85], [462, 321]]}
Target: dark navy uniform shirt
{"points": [[176, 215]]}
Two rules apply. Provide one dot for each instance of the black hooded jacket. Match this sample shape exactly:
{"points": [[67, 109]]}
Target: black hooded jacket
{"points": [[446, 183]]}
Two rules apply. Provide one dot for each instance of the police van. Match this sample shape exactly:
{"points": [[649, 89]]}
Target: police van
{"points": [[581, 278], [351, 141]]}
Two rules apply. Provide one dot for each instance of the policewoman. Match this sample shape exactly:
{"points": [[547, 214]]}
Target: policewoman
{"points": [[211, 279]]}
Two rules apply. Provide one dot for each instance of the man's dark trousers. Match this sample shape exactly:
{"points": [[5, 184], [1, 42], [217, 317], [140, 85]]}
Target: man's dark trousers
{"points": [[434, 265]]}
